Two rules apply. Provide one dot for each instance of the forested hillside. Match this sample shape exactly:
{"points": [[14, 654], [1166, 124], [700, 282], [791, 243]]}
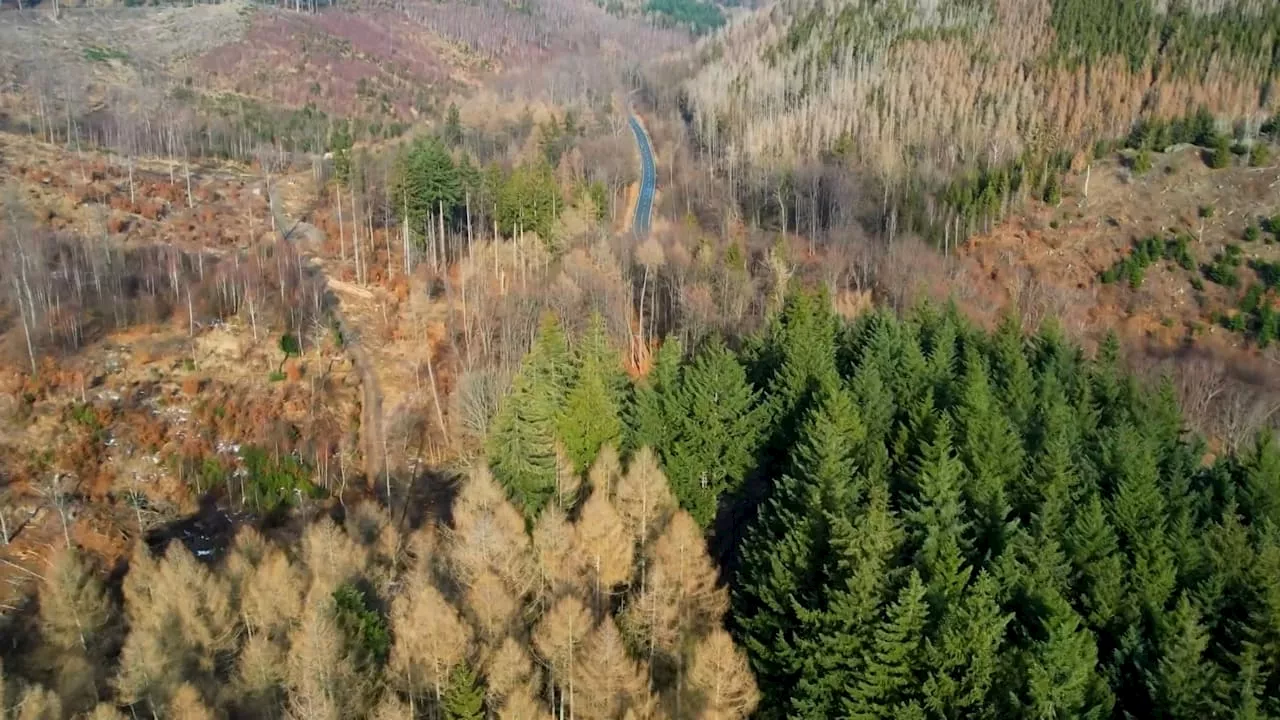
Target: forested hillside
{"points": [[913, 93], [920, 519]]}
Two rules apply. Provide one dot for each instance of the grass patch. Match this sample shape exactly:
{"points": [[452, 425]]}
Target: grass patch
{"points": [[102, 54]]}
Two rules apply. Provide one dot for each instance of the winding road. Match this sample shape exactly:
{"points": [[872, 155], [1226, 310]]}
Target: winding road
{"points": [[648, 179]]}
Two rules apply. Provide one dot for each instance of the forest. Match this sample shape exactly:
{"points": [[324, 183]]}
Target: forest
{"points": [[390, 414], [904, 517], [886, 93], [921, 519]]}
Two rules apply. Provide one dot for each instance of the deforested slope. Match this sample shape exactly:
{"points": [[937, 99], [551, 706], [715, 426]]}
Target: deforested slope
{"points": [[922, 88]]}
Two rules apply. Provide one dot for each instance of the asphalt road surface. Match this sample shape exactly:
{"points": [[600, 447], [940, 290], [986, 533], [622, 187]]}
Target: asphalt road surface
{"points": [[648, 180]]}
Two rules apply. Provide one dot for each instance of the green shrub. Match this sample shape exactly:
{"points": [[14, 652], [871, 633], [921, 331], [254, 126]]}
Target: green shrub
{"points": [[1142, 162], [275, 480], [1197, 284], [1259, 155], [1252, 233], [1219, 156]]}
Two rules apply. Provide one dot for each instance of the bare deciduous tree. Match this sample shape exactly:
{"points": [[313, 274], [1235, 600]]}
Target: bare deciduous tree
{"points": [[643, 497], [558, 638], [430, 638], [722, 676], [604, 543], [609, 681]]}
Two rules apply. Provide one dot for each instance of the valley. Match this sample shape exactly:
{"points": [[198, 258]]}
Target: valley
{"points": [[552, 358]]}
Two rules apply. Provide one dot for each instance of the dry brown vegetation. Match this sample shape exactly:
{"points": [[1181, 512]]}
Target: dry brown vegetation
{"points": [[935, 90], [548, 623]]}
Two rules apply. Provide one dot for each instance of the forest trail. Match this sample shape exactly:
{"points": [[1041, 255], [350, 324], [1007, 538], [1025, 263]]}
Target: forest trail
{"points": [[307, 237]]}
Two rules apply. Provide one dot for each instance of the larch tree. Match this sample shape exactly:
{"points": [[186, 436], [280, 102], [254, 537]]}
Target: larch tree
{"points": [[39, 703], [606, 472], [188, 705], [104, 711], [559, 638], [643, 498], [602, 541], [489, 533], [491, 604], [320, 678], [559, 564], [331, 557], [431, 639], [73, 604], [507, 670], [523, 704], [392, 708], [181, 618], [722, 678], [609, 681]]}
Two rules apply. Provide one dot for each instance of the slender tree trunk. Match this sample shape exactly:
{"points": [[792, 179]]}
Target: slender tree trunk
{"points": [[435, 397], [342, 236]]}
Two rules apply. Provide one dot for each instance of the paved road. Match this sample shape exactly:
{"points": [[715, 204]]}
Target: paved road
{"points": [[648, 180]]}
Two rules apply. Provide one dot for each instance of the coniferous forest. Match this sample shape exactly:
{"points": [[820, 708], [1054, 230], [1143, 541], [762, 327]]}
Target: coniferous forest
{"points": [[881, 517], [921, 519]]}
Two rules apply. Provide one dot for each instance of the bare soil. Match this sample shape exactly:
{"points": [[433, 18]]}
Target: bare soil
{"points": [[1048, 260]]}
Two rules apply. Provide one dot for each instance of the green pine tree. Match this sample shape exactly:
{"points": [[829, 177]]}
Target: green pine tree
{"points": [[891, 681], [719, 423], [786, 553], [521, 446], [591, 417], [464, 698]]}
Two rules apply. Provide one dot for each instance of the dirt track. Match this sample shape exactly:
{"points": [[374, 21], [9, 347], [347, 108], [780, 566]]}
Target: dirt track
{"points": [[307, 237]]}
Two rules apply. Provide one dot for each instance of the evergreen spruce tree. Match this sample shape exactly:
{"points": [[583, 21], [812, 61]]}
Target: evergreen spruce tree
{"points": [[1261, 487], [655, 398], [427, 182], [784, 557], [1182, 676], [935, 519], [719, 423], [1061, 669], [591, 417], [991, 450], [464, 698], [1138, 511], [1094, 551], [522, 448], [864, 547], [1012, 371], [966, 658], [799, 355], [890, 684], [452, 133]]}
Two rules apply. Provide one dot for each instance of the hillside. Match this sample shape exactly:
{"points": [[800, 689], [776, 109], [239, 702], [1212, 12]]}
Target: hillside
{"points": [[909, 89]]}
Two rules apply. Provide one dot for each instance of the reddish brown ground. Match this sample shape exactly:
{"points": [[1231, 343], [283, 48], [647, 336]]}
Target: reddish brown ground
{"points": [[1029, 264]]}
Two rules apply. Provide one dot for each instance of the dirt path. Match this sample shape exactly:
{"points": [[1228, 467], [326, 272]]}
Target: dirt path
{"points": [[307, 238]]}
